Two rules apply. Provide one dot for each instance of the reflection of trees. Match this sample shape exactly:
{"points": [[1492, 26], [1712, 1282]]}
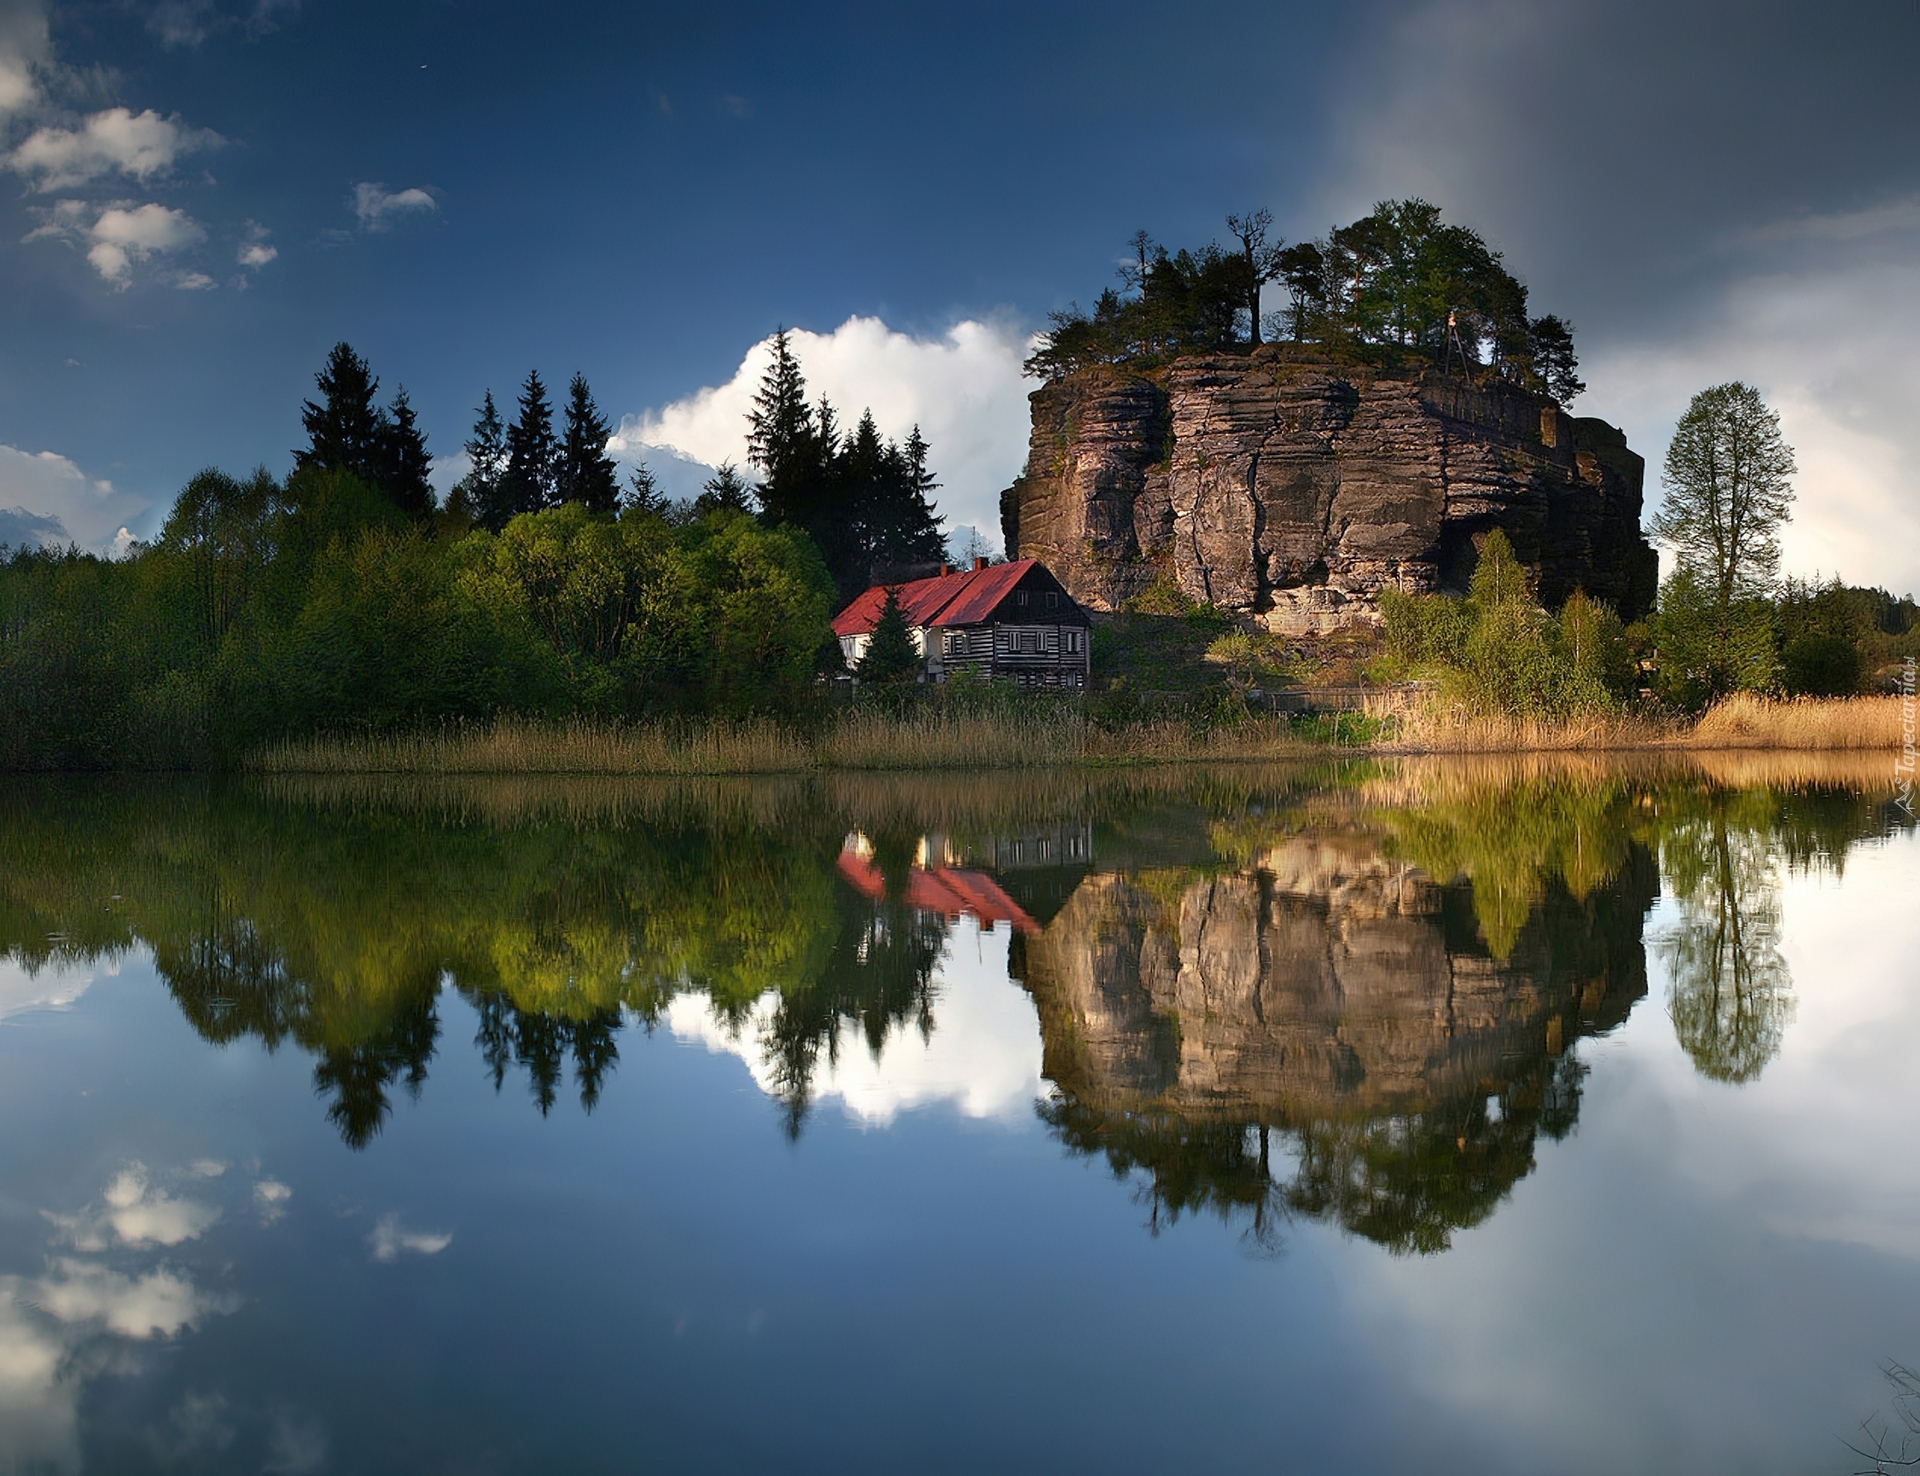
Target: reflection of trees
{"points": [[1729, 991], [539, 1044], [357, 1076], [878, 975]]}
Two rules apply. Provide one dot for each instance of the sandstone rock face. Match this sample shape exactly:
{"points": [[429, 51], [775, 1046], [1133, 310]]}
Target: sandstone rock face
{"points": [[1296, 490], [1327, 981]]}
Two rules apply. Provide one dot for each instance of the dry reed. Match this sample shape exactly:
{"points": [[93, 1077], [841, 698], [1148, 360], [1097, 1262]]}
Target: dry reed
{"points": [[1743, 721]]}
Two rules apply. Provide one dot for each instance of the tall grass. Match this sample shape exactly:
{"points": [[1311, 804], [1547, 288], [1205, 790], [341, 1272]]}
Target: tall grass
{"points": [[931, 740], [1742, 721]]}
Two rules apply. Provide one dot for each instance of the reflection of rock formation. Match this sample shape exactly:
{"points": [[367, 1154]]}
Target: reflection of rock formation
{"points": [[1331, 991]]}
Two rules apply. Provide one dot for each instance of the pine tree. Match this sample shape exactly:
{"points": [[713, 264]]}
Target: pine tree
{"points": [[532, 450], [1554, 360], [920, 535], [891, 655], [343, 428], [586, 473], [404, 466], [478, 495]]}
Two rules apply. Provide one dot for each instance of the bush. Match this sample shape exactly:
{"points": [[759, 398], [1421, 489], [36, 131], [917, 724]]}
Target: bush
{"points": [[1821, 665]]}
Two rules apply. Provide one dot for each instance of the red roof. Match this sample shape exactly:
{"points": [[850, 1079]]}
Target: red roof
{"points": [[965, 597]]}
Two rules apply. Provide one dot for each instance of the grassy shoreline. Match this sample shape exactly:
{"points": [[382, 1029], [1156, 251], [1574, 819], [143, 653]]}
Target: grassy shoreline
{"points": [[869, 741]]}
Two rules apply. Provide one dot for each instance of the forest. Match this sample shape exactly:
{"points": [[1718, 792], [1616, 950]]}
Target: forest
{"points": [[343, 598]]}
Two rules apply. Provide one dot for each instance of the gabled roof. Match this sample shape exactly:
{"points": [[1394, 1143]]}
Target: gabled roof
{"points": [[946, 890], [964, 597]]}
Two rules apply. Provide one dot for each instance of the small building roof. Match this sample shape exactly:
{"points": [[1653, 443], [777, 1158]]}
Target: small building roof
{"points": [[964, 597]]}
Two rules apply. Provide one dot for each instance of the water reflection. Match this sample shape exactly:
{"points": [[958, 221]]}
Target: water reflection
{"points": [[1350, 993]]}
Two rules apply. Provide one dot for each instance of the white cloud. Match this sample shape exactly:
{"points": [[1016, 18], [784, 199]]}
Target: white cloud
{"points": [[22, 529], [142, 146], [41, 487], [25, 47], [963, 388], [983, 1057], [121, 236], [254, 251], [377, 208], [389, 1240]]}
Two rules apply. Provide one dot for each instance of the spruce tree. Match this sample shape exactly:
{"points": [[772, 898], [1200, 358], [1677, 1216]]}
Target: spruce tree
{"points": [[404, 466], [783, 441], [891, 655], [343, 427], [479, 494], [532, 450], [644, 496], [920, 535], [725, 489], [586, 472]]}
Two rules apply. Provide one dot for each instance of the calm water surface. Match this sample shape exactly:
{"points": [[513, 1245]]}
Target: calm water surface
{"points": [[1451, 1118]]}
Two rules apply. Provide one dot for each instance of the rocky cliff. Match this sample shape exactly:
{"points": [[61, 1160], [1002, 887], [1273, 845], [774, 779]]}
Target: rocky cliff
{"points": [[1295, 489]]}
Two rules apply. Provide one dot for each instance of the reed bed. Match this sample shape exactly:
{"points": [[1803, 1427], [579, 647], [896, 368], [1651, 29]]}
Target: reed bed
{"points": [[867, 740], [932, 741], [1743, 721]]}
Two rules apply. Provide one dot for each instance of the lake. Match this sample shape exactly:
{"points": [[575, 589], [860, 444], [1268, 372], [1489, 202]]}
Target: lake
{"points": [[1469, 1116]]}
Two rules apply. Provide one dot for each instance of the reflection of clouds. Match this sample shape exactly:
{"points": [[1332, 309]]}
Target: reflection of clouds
{"points": [[983, 1056], [296, 1445], [389, 1240], [270, 1197], [158, 1304], [23, 990], [137, 1212], [1693, 1255], [55, 1328]]}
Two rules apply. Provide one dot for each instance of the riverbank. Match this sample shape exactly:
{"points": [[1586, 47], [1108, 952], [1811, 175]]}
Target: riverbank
{"points": [[1054, 737]]}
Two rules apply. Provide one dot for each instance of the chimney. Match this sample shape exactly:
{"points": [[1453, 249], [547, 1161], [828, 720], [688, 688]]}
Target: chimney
{"points": [[979, 563], [944, 570]]}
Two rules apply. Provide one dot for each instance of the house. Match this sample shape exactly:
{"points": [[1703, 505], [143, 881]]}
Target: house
{"points": [[1000, 620]]}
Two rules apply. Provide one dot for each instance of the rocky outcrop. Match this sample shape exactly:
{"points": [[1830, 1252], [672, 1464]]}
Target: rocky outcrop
{"points": [[1326, 981], [1296, 489]]}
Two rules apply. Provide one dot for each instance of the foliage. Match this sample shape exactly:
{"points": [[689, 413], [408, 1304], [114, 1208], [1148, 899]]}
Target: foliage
{"points": [[1497, 652], [1398, 280], [1707, 649], [1728, 488]]}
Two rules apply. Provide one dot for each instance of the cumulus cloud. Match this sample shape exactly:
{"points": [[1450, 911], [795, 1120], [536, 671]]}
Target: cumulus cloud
{"points": [[963, 388], [142, 146], [389, 1240], [118, 236], [378, 209], [1640, 172], [158, 1304], [270, 1198], [47, 492]]}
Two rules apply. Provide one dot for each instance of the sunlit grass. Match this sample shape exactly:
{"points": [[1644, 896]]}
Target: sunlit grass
{"points": [[1742, 721]]}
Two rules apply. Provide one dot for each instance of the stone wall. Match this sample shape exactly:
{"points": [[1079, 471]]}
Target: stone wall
{"points": [[1295, 489]]}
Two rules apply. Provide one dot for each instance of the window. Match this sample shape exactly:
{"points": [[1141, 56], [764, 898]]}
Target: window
{"points": [[1053, 599], [1023, 598]]}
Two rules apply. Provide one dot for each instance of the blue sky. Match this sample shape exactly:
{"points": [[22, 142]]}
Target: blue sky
{"points": [[201, 196]]}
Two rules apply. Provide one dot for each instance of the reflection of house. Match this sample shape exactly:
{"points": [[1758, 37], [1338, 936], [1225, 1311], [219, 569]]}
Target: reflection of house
{"points": [[1000, 620], [950, 891]]}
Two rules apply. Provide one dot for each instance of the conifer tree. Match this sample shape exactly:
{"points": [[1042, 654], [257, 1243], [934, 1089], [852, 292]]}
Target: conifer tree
{"points": [[343, 427], [586, 472], [479, 494], [920, 533], [725, 489], [403, 465], [533, 452], [891, 655], [644, 496], [783, 442]]}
